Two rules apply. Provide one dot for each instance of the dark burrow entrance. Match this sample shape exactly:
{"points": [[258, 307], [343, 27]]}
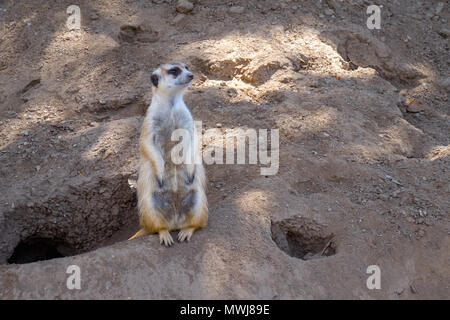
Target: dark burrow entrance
{"points": [[85, 216], [37, 249], [303, 238]]}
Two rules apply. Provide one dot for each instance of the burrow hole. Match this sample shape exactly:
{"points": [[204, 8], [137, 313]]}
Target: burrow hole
{"points": [[39, 249], [108, 222], [303, 238]]}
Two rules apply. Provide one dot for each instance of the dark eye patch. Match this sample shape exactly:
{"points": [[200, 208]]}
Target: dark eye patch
{"points": [[174, 71]]}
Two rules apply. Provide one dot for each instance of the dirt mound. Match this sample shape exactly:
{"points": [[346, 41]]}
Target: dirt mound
{"points": [[360, 49]]}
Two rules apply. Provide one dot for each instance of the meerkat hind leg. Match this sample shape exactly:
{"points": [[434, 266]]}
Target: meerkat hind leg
{"points": [[165, 237], [185, 234]]}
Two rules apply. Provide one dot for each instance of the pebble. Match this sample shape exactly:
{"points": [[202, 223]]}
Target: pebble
{"points": [[329, 12], [178, 18], [444, 83], [410, 219], [236, 9], [107, 154], [439, 7], [429, 15], [218, 125], [399, 291], [26, 133], [414, 108], [184, 6], [444, 32]]}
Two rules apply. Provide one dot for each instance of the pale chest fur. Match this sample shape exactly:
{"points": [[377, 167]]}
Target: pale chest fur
{"points": [[164, 123]]}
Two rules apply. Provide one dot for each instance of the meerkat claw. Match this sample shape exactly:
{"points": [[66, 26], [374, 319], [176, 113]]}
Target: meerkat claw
{"points": [[185, 234], [166, 238], [160, 182]]}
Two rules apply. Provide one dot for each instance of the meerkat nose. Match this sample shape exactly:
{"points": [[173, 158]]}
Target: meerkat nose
{"points": [[190, 76]]}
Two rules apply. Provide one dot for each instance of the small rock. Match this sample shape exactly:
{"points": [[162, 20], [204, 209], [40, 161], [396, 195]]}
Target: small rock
{"points": [[399, 291], [26, 133], [329, 12], [184, 6], [414, 108], [429, 15], [413, 105], [413, 289], [107, 154], [382, 50], [178, 18], [444, 83], [439, 7], [421, 233], [218, 125], [237, 10], [444, 32], [38, 168]]}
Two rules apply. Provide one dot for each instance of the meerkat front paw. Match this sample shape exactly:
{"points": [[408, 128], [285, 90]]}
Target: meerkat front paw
{"points": [[165, 237], [185, 234]]}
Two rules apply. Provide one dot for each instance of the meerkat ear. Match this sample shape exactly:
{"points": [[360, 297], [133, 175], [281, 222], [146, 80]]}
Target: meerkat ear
{"points": [[155, 80]]}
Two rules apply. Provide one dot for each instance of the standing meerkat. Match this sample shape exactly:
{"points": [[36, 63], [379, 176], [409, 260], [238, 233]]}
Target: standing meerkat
{"points": [[171, 196]]}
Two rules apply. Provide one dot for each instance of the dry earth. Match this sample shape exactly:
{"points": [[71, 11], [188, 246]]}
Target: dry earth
{"points": [[364, 148]]}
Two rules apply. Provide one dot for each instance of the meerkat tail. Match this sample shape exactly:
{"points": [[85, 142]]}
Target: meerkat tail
{"points": [[141, 232]]}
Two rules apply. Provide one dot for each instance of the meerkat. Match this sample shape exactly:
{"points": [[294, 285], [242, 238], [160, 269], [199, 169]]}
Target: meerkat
{"points": [[170, 196]]}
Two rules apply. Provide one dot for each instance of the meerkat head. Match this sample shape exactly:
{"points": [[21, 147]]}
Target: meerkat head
{"points": [[171, 78]]}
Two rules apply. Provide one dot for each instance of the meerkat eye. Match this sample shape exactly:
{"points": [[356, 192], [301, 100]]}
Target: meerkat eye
{"points": [[187, 68], [174, 71]]}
